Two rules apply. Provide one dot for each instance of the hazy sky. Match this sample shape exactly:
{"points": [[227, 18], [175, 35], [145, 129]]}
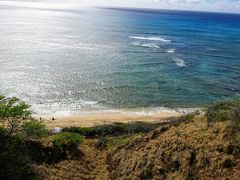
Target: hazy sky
{"points": [[200, 5], [205, 5]]}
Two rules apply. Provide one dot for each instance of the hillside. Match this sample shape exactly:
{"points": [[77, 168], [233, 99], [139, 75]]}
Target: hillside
{"points": [[188, 150], [201, 145]]}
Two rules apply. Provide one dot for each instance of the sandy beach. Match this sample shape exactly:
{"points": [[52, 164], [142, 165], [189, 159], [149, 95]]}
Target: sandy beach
{"points": [[102, 117]]}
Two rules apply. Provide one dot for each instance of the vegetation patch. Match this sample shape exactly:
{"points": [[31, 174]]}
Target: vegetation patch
{"points": [[14, 160], [35, 129], [66, 138], [115, 129], [13, 112], [224, 111]]}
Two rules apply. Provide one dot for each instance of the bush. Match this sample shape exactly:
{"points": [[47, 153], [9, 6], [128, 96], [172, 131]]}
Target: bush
{"points": [[115, 129], [112, 129], [138, 127], [90, 131], [14, 161], [224, 111], [12, 113], [66, 138], [86, 131], [34, 128], [73, 129]]}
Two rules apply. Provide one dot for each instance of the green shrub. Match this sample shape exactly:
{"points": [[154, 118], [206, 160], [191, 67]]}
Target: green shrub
{"points": [[86, 131], [13, 112], [66, 138], [34, 128], [90, 131], [112, 129], [115, 129], [14, 160], [224, 111], [73, 129], [138, 127]]}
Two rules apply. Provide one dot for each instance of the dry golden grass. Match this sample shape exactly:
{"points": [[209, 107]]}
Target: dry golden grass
{"points": [[189, 150], [92, 165]]}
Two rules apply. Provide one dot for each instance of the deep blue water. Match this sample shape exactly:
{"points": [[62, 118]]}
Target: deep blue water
{"points": [[73, 60]]}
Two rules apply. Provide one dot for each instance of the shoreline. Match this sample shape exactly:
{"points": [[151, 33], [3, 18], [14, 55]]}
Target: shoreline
{"points": [[94, 118]]}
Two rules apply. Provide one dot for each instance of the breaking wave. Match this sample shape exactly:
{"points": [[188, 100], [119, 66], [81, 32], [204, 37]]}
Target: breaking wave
{"points": [[179, 62], [172, 50], [150, 38], [146, 45]]}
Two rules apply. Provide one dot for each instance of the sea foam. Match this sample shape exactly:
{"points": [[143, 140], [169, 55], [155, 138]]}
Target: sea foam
{"points": [[179, 62], [150, 45], [65, 108], [172, 50], [150, 38], [146, 45]]}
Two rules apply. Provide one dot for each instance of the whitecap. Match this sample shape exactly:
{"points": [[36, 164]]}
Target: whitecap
{"points": [[180, 62], [172, 50], [150, 38], [147, 45], [90, 103], [150, 45], [136, 43]]}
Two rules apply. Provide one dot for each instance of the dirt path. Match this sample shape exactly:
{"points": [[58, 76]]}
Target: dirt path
{"points": [[92, 165], [98, 160]]}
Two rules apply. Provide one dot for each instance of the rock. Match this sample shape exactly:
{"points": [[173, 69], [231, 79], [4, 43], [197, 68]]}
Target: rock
{"points": [[57, 130]]}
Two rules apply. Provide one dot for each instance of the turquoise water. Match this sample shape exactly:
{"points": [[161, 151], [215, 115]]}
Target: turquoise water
{"points": [[88, 59]]}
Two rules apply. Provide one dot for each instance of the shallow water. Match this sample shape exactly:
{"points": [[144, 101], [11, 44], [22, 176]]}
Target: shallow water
{"points": [[64, 61]]}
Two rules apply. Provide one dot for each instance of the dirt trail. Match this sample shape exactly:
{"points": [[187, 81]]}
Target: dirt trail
{"points": [[92, 165], [98, 160]]}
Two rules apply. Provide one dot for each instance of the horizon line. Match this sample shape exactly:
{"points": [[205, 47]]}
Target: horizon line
{"points": [[163, 9]]}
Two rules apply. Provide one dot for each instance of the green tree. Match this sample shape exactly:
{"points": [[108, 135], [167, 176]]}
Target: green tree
{"points": [[13, 112], [34, 128]]}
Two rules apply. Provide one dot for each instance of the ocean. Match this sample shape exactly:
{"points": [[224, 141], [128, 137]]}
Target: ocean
{"points": [[68, 61]]}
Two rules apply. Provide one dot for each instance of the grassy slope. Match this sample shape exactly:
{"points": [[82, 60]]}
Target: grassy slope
{"points": [[92, 165], [187, 150]]}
